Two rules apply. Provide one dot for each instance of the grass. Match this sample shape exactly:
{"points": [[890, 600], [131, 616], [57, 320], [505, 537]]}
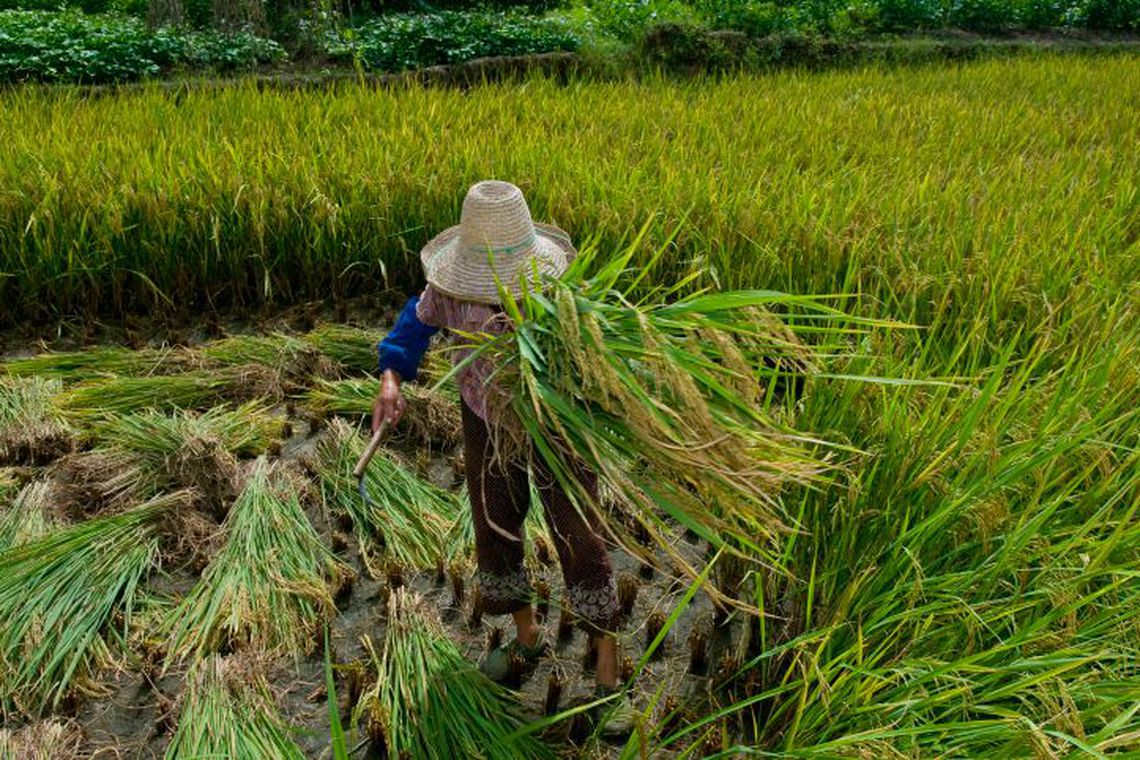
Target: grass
{"points": [[227, 711], [408, 519], [270, 587], [429, 700], [67, 598]]}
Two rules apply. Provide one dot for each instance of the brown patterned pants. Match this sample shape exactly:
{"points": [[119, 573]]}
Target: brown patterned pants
{"points": [[500, 498]]}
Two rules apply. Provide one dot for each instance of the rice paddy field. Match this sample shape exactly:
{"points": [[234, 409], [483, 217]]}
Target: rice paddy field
{"points": [[194, 283]]}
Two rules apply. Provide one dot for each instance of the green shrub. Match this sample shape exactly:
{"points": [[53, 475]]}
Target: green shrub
{"points": [[982, 15], [754, 18], [69, 46], [900, 15], [407, 41], [1106, 15]]}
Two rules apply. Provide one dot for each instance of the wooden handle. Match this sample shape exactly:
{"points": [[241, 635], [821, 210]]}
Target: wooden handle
{"points": [[366, 457]]}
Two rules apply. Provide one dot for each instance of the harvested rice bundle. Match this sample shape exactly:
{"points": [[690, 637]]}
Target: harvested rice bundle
{"points": [[432, 415], [42, 740], [429, 701], [102, 399], [247, 430], [32, 515], [407, 520], [227, 711], [351, 347], [32, 430], [103, 481], [59, 596], [293, 359], [77, 366], [269, 586], [664, 400]]}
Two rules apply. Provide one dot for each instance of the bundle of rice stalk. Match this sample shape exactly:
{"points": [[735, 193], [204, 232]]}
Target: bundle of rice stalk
{"points": [[269, 586], [432, 414], [101, 399], [31, 516], [247, 430], [351, 347], [429, 701], [103, 481], [59, 596], [41, 740], [666, 401], [227, 711], [295, 360], [407, 520], [77, 366], [32, 429]]}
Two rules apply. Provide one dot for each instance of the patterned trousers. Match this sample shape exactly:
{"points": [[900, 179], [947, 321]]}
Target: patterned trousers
{"points": [[500, 498]]}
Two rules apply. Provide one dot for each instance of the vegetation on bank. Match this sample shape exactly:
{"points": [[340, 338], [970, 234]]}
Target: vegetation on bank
{"points": [[94, 41]]}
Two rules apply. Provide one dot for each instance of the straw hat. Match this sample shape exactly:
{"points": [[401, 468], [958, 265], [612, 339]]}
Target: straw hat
{"points": [[495, 237]]}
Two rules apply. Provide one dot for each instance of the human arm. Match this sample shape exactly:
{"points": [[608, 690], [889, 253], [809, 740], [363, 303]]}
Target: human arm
{"points": [[400, 354]]}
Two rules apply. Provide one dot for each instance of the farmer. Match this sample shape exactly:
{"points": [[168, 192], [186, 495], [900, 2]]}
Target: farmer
{"points": [[496, 238]]}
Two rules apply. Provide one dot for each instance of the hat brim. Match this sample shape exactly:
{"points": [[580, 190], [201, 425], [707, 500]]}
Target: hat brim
{"points": [[456, 273]]}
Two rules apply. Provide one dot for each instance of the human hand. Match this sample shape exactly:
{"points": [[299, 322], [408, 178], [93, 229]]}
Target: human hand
{"points": [[389, 404]]}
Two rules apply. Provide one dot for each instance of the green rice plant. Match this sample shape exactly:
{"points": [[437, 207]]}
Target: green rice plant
{"points": [[103, 399], [407, 520], [64, 599], [227, 710], [271, 586], [432, 414], [32, 429], [31, 516], [429, 701], [77, 366], [246, 430], [294, 360], [352, 347], [666, 401]]}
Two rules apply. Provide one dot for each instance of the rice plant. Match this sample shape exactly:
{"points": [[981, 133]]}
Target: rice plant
{"points": [[246, 430], [66, 599], [431, 415], [103, 399], [32, 515], [294, 360], [352, 347], [407, 520], [78, 366], [41, 740], [429, 700], [227, 710], [32, 429], [667, 401], [270, 587]]}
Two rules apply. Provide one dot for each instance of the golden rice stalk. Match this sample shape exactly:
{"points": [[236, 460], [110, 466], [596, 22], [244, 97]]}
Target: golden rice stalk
{"points": [[42, 740]]}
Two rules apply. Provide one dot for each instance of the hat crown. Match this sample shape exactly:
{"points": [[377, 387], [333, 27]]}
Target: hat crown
{"points": [[495, 219]]}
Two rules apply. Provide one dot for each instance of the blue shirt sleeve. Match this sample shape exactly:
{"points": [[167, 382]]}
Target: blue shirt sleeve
{"points": [[404, 346]]}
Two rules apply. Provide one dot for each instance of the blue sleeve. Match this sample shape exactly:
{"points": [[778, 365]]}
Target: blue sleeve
{"points": [[404, 346]]}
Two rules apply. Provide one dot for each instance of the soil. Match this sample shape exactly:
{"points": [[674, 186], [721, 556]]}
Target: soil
{"points": [[135, 716]]}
